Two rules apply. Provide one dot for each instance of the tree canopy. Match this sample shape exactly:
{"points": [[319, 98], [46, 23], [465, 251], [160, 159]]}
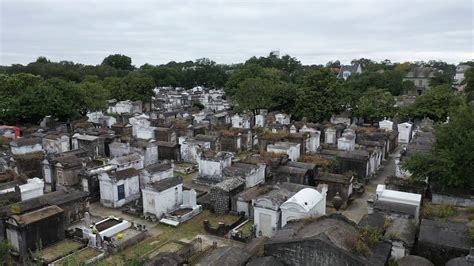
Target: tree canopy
{"points": [[375, 104], [319, 95], [449, 165], [118, 61], [434, 103]]}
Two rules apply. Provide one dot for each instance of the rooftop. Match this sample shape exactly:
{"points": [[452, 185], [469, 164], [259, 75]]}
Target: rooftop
{"points": [[25, 142], [37, 215], [126, 173], [165, 184], [444, 233]]}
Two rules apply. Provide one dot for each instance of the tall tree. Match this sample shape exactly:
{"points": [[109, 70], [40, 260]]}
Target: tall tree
{"points": [[449, 165], [375, 104], [261, 93], [469, 83], [319, 96], [118, 61], [435, 104]]}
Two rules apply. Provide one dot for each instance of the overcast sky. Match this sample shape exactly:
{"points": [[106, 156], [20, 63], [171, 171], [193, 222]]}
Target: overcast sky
{"points": [[230, 31]]}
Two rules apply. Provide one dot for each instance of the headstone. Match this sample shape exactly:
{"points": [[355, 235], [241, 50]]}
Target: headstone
{"points": [[192, 197]]}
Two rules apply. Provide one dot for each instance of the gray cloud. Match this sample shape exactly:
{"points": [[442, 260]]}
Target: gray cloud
{"points": [[231, 31]]}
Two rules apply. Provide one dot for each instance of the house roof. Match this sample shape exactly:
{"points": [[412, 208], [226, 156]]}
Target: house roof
{"points": [[306, 198], [264, 261], [228, 255], [25, 142], [421, 72], [165, 184], [230, 184], [167, 144], [333, 229], [444, 233], [166, 258], [351, 68], [412, 260], [58, 197], [124, 174], [332, 178], [395, 207], [126, 158], [69, 161], [404, 230], [158, 167], [37, 215]]}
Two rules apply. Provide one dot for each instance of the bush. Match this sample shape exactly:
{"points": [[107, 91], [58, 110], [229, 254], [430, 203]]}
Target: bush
{"points": [[438, 211], [471, 234], [356, 244], [370, 235]]}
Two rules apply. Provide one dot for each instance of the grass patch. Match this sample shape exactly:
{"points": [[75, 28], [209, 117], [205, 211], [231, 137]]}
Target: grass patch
{"points": [[247, 228], [80, 257], [183, 176], [438, 211], [367, 238], [58, 250], [188, 230]]}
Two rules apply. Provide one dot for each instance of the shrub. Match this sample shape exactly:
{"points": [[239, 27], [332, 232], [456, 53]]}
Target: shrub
{"points": [[471, 234], [438, 211], [370, 235], [264, 190], [392, 262], [386, 222], [356, 244], [392, 236], [15, 208]]}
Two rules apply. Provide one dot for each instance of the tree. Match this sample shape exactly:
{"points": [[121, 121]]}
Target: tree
{"points": [[435, 104], [134, 86], [449, 165], [375, 104], [390, 80], [441, 79], [118, 61], [261, 93], [93, 97], [242, 73], [469, 83], [319, 96]]}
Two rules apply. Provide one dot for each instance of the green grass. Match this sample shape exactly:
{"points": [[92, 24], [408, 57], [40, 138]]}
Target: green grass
{"points": [[80, 257], [438, 211], [58, 250], [183, 176], [188, 230], [247, 228]]}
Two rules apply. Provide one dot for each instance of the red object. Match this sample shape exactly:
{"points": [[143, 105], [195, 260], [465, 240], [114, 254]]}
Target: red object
{"points": [[10, 131]]}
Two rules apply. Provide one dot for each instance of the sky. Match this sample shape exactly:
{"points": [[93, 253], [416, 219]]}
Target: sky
{"points": [[231, 31]]}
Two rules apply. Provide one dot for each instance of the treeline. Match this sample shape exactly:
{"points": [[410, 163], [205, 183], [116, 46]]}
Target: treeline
{"points": [[65, 89]]}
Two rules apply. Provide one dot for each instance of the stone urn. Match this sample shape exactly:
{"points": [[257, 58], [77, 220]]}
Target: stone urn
{"points": [[337, 201]]}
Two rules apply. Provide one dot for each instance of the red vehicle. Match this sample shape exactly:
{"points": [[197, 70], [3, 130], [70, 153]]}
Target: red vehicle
{"points": [[10, 131]]}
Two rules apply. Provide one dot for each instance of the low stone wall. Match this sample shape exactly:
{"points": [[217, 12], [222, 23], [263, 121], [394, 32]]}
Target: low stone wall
{"points": [[457, 201]]}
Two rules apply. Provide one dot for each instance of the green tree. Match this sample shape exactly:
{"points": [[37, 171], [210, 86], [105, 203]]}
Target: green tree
{"points": [[441, 79], [468, 82], [391, 80], [319, 96], [118, 61], [449, 165], [260, 93], [375, 104], [435, 104], [93, 97], [134, 86]]}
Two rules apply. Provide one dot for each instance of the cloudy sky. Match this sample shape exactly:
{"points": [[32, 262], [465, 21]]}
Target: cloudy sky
{"points": [[230, 31]]}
